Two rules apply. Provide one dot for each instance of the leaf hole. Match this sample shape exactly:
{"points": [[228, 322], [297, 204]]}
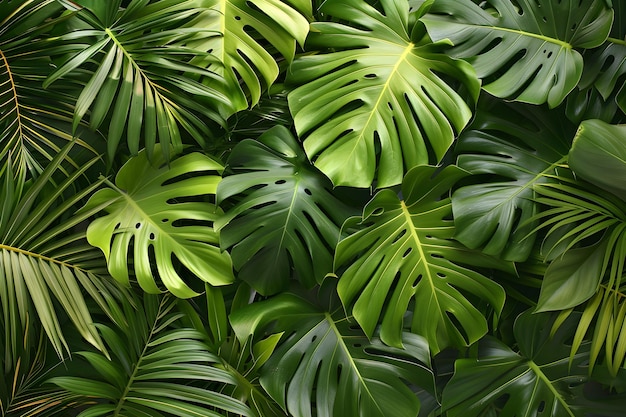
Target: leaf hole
{"points": [[441, 275], [370, 76], [165, 220], [541, 407], [237, 17], [399, 236], [436, 256], [357, 345], [549, 54], [152, 236], [307, 191], [407, 252], [137, 225], [279, 182]]}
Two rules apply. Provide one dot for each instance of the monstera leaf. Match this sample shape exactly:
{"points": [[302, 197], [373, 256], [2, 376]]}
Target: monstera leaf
{"points": [[536, 381], [156, 216], [523, 50], [250, 31], [377, 96], [405, 252], [606, 66], [286, 216], [324, 361], [517, 146]]}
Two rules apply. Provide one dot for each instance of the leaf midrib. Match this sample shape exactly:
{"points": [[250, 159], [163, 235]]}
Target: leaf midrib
{"points": [[374, 109], [541, 376]]}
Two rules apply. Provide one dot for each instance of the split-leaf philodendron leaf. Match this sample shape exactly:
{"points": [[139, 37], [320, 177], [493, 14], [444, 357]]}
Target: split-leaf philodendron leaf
{"points": [[156, 214], [286, 214], [376, 96], [525, 49], [406, 253], [325, 360]]}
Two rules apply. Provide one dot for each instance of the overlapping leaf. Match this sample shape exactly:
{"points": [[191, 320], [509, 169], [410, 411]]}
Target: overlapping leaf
{"points": [[143, 85], [152, 358], [156, 216], [376, 97], [605, 66], [34, 124], [251, 31], [536, 380], [43, 265], [405, 258], [510, 148], [523, 50], [286, 218], [326, 366]]}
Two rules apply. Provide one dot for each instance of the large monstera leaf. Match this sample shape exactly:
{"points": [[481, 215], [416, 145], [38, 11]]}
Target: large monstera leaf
{"points": [[250, 30], [523, 50], [539, 380], [406, 253], [286, 216], [376, 96], [156, 215], [325, 366], [511, 147]]}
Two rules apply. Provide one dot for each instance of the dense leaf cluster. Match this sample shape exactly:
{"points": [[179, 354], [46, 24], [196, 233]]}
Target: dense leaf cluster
{"points": [[312, 208]]}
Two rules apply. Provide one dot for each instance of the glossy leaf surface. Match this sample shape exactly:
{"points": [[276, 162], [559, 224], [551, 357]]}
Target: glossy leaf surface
{"points": [[404, 254], [523, 50], [161, 211], [286, 218], [325, 360], [374, 99]]}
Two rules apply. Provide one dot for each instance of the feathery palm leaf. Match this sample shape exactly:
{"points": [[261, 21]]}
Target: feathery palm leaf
{"points": [[376, 96], [40, 259], [523, 50], [34, 124], [159, 369], [142, 82]]}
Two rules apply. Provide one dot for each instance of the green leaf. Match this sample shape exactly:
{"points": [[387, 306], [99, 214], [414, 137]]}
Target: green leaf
{"points": [[510, 147], [537, 381], [142, 62], [34, 123], [375, 96], [164, 369], [286, 218], [160, 210], [325, 360], [573, 278], [250, 31], [406, 253], [523, 50], [598, 149]]}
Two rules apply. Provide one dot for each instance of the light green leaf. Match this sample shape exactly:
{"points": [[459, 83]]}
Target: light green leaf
{"points": [[325, 360], [405, 256], [374, 98], [249, 65], [149, 206], [522, 50], [598, 150], [537, 380], [286, 218], [510, 147]]}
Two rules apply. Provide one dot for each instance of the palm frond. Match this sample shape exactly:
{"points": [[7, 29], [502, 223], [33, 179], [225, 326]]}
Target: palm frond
{"points": [[159, 369]]}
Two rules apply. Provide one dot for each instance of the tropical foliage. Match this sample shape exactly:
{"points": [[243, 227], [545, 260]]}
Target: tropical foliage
{"points": [[280, 208]]}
